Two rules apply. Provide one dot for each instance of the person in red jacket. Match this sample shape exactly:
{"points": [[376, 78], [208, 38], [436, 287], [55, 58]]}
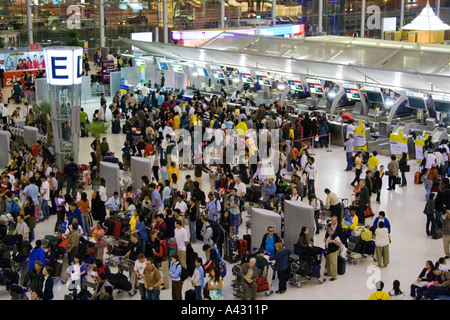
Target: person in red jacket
{"points": [[345, 117]]}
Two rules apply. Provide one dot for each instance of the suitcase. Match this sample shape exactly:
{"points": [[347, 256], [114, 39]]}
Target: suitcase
{"points": [[56, 269], [190, 295], [63, 242], [262, 284], [119, 251], [253, 194], [114, 228], [242, 248], [368, 247], [231, 248], [115, 127], [248, 238], [418, 178], [198, 229], [436, 187], [111, 159], [341, 265]]}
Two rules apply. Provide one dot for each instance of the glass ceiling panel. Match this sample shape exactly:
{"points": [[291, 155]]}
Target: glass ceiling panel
{"points": [[420, 61], [271, 46], [229, 42], [309, 50], [362, 56]]}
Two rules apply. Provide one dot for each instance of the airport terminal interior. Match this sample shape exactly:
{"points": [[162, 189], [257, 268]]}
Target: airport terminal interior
{"points": [[380, 75]]}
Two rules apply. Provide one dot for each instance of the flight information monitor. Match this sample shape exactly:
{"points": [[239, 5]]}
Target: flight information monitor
{"points": [[352, 94], [164, 66], [442, 106], [315, 88], [218, 74], [202, 72], [417, 103], [177, 68], [296, 86], [264, 81], [374, 97], [246, 78]]}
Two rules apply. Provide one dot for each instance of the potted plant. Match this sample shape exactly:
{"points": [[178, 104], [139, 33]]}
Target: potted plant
{"points": [[97, 128], [43, 113]]}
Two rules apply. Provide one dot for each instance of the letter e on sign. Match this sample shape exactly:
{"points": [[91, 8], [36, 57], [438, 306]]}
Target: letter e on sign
{"points": [[63, 65]]}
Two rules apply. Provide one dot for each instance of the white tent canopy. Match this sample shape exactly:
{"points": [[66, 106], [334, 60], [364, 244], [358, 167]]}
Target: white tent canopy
{"points": [[427, 21]]}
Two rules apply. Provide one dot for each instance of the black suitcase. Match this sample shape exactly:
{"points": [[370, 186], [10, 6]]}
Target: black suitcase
{"points": [[190, 295], [341, 265], [115, 127], [198, 229], [253, 194], [231, 249]]}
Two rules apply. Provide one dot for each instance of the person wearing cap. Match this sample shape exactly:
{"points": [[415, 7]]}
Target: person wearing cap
{"points": [[431, 175]]}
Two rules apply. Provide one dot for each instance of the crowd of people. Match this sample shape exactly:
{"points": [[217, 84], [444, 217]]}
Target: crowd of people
{"points": [[166, 216]]}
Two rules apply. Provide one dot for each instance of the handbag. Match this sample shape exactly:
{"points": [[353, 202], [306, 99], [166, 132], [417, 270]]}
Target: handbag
{"points": [[406, 168], [368, 212], [398, 180]]}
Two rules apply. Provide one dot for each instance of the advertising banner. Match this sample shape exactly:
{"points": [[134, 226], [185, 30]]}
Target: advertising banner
{"points": [[360, 139], [16, 63]]}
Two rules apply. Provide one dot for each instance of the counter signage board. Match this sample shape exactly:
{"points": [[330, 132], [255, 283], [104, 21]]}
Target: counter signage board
{"points": [[360, 139], [107, 68], [419, 143], [399, 144]]}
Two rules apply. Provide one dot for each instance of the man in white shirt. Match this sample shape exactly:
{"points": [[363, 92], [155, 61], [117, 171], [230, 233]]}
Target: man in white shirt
{"points": [[430, 159], [139, 267], [182, 238], [176, 109], [45, 195], [258, 174], [241, 188], [181, 205], [350, 129]]}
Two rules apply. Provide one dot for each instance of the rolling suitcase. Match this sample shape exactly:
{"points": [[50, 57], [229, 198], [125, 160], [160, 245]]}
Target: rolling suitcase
{"points": [[242, 248], [114, 228], [231, 248], [248, 238], [198, 229], [341, 265], [115, 128], [253, 194]]}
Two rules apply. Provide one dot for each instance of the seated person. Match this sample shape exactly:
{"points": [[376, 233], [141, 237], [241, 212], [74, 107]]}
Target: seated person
{"points": [[272, 203], [306, 244], [349, 223]]}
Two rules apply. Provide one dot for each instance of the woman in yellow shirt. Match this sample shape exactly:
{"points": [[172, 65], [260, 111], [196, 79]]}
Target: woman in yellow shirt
{"points": [[358, 168]]}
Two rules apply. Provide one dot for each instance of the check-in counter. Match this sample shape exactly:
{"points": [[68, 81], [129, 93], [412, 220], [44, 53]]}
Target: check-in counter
{"points": [[338, 131]]}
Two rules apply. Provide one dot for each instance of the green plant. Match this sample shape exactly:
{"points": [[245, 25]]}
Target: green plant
{"points": [[97, 128], [73, 38], [43, 113]]}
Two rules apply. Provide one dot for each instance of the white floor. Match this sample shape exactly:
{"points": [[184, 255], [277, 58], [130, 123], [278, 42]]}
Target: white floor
{"points": [[409, 250]]}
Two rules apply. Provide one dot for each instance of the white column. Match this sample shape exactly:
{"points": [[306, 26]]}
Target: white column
{"points": [[363, 17], [274, 12], [101, 11], [438, 7], [29, 23], [402, 12], [320, 27], [165, 23], [222, 14]]}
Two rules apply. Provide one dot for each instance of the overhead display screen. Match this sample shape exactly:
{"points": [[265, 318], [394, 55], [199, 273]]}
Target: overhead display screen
{"points": [[164, 66], [264, 81], [417, 103], [296, 86], [177, 68], [218, 74], [202, 72], [247, 78], [315, 88], [374, 97], [442, 106], [352, 94]]}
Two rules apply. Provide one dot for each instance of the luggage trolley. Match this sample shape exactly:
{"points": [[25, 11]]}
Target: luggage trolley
{"points": [[128, 266], [357, 248], [302, 271], [264, 286]]}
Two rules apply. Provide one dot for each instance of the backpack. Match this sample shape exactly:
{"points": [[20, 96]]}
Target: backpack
{"points": [[216, 231], [172, 247], [223, 269], [15, 209], [184, 273]]}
